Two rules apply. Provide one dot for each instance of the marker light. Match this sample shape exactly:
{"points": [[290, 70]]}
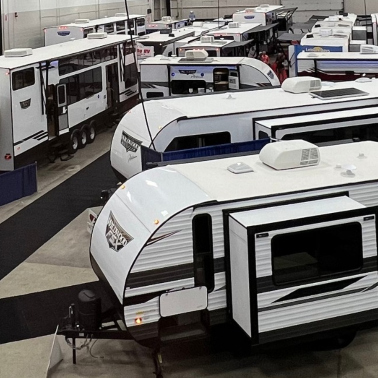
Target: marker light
{"points": [[9, 156], [123, 186], [138, 321], [156, 221]]}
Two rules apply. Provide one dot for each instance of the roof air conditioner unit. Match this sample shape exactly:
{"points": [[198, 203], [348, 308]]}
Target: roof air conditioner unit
{"points": [[121, 15], [166, 18], [233, 25], [264, 5], [97, 35], [249, 10], [334, 18], [18, 52], [82, 21], [198, 23], [301, 84], [369, 49], [207, 39], [325, 32], [196, 54], [290, 154]]}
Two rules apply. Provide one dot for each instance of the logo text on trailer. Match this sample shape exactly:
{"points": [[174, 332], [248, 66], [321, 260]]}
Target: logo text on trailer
{"points": [[130, 143], [116, 236]]}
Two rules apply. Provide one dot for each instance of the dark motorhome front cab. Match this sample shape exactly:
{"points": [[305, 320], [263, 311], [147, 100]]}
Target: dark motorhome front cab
{"points": [[300, 266]]}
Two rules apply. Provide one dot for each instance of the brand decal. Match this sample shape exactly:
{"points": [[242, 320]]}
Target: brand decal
{"points": [[64, 33], [317, 49], [188, 72], [116, 236], [250, 17], [130, 143]]}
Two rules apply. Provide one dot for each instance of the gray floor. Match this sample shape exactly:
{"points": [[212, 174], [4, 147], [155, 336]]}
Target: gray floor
{"points": [[63, 261]]}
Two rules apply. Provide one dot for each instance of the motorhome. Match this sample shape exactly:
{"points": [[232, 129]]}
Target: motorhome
{"points": [[217, 47], [166, 23], [264, 14], [119, 24], [161, 42], [197, 73], [339, 66], [61, 94], [345, 111], [280, 245]]}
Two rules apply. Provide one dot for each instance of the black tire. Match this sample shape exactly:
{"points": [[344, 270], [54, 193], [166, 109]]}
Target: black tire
{"points": [[83, 136], [92, 133], [74, 142]]}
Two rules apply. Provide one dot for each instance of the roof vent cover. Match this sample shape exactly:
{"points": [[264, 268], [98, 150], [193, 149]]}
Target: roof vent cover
{"points": [[290, 154], [239, 168], [18, 52], [82, 21], [97, 35]]}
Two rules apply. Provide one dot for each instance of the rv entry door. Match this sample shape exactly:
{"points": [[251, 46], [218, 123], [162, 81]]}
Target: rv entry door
{"points": [[61, 90]]}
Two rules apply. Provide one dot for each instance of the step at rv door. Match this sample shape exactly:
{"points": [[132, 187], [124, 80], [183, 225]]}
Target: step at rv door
{"points": [[302, 268]]}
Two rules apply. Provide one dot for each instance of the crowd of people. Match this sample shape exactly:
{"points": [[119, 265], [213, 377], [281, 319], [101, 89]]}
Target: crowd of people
{"points": [[279, 66]]}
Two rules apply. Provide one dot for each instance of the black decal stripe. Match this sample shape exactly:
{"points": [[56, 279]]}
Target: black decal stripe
{"points": [[274, 307], [35, 135], [319, 289], [372, 287], [161, 237], [168, 274]]}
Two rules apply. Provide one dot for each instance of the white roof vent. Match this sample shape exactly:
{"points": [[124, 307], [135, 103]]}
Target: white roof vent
{"points": [[82, 21], [121, 15], [233, 25], [18, 52], [325, 32], [369, 49], [301, 84], [249, 10], [101, 35], [334, 18], [207, 39], [264, 5], [290, 154], [196, 54], [198, 23], [239, 168], [166, 18]]}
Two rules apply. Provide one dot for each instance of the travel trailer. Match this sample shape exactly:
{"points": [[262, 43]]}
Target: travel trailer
{"points": [[119, 24], [339, 66], [166, 23], [59, 95], [264, 14], [279, 245], [197, 73], [345, 111], [235, 31]]}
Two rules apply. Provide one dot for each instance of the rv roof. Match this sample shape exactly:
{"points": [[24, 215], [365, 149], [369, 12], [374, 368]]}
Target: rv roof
{"points": [[237, 102], [344, 56], [211, 181], [101, 21], [157, 37], [243, 28], [269, 8], [216, 43], [158, 60], [53, 52]]}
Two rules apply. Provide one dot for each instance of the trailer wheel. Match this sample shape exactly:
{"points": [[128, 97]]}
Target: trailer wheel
{"points": [[91, 135], [83, 136], [74, 142]]}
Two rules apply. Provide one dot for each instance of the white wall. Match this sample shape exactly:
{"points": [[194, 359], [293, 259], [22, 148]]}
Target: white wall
{"points": [[358, 6], [24, 20]]}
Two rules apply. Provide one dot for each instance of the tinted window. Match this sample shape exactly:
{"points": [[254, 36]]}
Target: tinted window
{"points": [[131, 75], [315, 253], [154, 94], [187, 86], [23, 79], [195, 141]]}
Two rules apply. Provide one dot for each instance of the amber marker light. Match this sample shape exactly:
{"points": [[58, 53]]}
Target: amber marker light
{"points": [[123, 186], [138, 321], [156, 221]]}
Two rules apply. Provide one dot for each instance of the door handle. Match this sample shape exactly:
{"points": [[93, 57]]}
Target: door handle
{"points": [[87, 108]]}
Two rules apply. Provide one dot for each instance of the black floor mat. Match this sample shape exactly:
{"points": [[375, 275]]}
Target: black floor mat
{"points": [[26, 231]]}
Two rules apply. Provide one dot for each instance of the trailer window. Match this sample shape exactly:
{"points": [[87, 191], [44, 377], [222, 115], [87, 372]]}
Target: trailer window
{"points": [[131, 75], [188, 86], [109, 28], [203, 251], [120, 26], [23, 79], [316, 253], [195, 141]]}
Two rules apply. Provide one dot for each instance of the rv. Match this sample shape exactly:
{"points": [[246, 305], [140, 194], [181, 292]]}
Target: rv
{"points": [[344, 111], [235, 31], [161, 76], [264, 14], [166, 23], [119, 24], [339, 66], [280, 245], [217, 47], [161, 42], [59, 95]]}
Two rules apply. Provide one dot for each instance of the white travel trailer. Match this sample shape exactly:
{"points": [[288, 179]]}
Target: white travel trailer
{"points": [[119, 24], [162, 76], [59, 95], [216, 47], [338, 66], [182, 123], [264, 14], [235, 31], [166, 23], [281, 244]]}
